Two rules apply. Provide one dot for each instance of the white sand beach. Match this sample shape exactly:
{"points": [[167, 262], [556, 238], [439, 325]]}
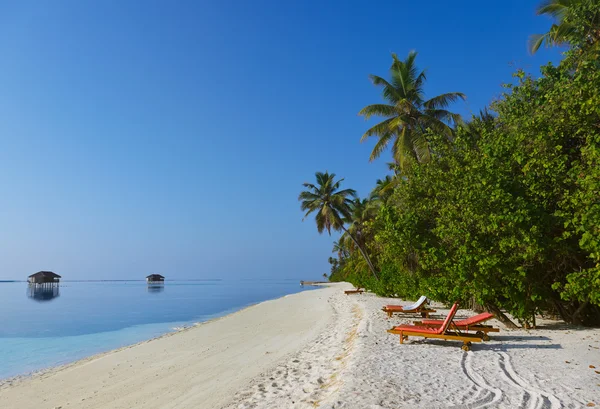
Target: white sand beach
{"points": [[325, 349]]}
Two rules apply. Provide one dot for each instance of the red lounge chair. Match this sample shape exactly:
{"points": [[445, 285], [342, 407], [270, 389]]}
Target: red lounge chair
{"points": [[441, 333], [420, 306], [470, 324]]}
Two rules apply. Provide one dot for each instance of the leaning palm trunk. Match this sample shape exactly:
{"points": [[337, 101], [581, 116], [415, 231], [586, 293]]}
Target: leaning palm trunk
{"points": [[363, 252]]}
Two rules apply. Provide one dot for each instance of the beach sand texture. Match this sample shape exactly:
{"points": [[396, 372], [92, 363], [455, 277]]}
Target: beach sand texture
{"points": [[200, 367], [325, 349]]}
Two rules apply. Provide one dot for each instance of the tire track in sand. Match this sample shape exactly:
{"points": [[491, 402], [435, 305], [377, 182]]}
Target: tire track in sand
{"points": [[493, 395], [533, 398]]}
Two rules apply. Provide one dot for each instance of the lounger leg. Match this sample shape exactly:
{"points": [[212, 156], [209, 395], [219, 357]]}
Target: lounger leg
{"points": [[389, 313], [483, 335]]}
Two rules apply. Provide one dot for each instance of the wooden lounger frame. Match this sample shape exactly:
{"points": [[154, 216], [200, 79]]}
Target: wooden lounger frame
{"points": [[441, 332], [448, 335], [475, 324], [424, 312], [357, 291], [480, 330]]}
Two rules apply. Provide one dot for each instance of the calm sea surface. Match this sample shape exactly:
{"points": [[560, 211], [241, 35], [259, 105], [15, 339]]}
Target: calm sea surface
{"points": [[40, 327]]}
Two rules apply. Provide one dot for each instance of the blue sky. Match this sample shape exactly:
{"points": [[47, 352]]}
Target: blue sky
{"points": [[174, 137]]}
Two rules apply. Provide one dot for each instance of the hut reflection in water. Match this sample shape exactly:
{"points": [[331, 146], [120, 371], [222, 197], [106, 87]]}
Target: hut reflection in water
{"points": [[43, 293], [156, 287]]}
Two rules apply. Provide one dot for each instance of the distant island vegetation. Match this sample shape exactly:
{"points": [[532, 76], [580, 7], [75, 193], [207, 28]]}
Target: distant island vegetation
{"points": [[500, 212]]}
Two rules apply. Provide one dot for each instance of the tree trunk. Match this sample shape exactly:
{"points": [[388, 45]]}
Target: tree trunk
{"points": [[575, 317], [475, 306], [562, 312], [363, 252], [501, 316]]}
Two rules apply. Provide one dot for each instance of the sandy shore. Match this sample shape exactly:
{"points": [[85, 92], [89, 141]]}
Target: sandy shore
{"points": [[201, 367], [325, 349]]}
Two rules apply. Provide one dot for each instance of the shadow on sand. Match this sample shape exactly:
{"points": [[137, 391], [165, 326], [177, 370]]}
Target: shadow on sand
{"points": [[497, 343]]}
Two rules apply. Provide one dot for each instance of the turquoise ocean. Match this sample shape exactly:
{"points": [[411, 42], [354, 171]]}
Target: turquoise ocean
{"points": [[44, 327]]}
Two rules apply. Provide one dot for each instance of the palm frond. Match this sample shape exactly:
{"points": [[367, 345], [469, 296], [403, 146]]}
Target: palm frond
{"points": [[442, 115], [381, 128], [444, 100], [402, 149], [421, 147], [381, 145], [436, 121], [377, 110], [389, 92], [345, 193], [554, 8]]}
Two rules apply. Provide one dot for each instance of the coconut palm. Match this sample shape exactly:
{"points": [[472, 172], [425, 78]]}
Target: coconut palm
{"points": [[394, 167], [564, 12], [340, 248], [332, 206], [383, 190], [361, 213], [408, 115]]}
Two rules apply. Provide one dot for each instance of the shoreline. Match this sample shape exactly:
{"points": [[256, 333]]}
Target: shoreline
{"points": [[193, 360], [176, 330]]}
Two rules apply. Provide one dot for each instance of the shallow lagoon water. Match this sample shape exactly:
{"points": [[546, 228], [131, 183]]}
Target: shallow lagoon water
{"points": [[44, 327]]}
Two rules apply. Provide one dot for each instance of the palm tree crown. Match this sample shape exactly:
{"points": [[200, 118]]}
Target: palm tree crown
{"points": [[408, 114], [331, 204], [333, 208], [383, 190], [564, 12], [362, 213]]}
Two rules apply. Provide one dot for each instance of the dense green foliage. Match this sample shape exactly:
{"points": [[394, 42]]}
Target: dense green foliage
{"points": [[505, 214]]}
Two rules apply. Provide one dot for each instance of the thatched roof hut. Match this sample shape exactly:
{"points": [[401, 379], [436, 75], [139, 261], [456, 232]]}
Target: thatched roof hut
{"points": [[155, 278], [43, 277]]}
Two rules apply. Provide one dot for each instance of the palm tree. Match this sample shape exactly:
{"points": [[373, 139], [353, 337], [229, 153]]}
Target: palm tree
{"points": [[408, 114], [383, 190], [332, 207], [394, 167], [340, 248], [564, 12], [361, 214]]}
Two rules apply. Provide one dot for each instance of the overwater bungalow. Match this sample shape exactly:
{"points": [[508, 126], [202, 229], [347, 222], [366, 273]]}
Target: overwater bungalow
{"points": [[44, 278], [155, 278]]}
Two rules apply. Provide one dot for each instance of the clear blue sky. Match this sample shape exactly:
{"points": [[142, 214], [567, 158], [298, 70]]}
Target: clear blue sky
{"points": [[173, 137]]}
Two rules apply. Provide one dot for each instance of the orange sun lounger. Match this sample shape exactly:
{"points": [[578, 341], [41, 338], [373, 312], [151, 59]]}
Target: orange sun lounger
{"points": [[420, 306], [441, 333], [474, 323]]}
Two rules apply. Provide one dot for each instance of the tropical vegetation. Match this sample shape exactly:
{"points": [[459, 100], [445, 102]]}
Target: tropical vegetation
{"points": [[576, 22], [501, 212]]}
